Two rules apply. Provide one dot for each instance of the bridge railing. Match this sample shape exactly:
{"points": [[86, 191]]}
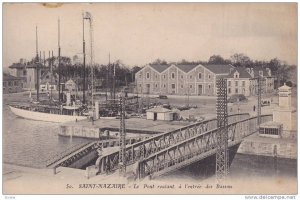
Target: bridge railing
{"points": [[195, 148], [65, 159], [145, 148]]}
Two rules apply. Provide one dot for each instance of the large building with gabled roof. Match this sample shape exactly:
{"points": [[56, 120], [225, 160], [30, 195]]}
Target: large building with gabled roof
{"points": [[180, 79], [244, 81], [200, 79]]}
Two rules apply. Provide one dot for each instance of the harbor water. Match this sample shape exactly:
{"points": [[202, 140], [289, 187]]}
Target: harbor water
{"points": [[31, 143]]}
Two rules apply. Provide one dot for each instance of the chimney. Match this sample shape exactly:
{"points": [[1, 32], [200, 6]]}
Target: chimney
{"points": [[252, 72], [248, 70], [268, 71]]}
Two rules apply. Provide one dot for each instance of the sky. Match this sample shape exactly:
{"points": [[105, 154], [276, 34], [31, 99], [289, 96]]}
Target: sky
{"points": [[138, 34]]}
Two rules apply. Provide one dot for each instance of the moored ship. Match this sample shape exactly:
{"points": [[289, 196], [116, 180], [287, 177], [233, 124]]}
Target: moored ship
{"points": [[49, 114]]}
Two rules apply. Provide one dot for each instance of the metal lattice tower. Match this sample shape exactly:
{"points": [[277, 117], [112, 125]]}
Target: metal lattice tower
{"points": [[88, 17], [259, 100], [122, 161], [222, 155]]}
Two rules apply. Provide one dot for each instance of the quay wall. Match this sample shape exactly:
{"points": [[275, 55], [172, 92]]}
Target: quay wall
{"points": [[95, 132], [277, 148]]}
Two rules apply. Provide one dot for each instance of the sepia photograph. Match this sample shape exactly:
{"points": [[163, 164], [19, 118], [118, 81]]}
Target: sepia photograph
{"points": [[149, 98]]}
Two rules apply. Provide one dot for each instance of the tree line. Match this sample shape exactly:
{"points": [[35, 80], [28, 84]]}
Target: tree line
{"points": [[125, 74], [282, 72]]}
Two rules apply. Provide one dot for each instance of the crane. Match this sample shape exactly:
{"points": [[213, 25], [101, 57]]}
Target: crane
{"points": [[89, 17]]}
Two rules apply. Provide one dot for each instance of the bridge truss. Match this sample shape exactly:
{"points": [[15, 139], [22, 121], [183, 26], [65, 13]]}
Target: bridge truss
{"points": [[143, 149], [222, 157]]}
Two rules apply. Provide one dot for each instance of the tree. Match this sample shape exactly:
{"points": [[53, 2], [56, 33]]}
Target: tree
{"points": [[216, 59], [241, 60], [159, 62], [274, 64]]}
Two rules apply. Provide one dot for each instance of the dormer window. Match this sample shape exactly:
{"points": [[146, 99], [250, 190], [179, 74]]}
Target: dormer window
{"points": [[236, 75]]}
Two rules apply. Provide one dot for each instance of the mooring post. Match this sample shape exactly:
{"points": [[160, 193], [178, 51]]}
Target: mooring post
{"points": [[87, 172]]}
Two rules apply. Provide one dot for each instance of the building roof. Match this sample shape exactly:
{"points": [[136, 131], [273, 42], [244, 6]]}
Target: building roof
{"points": [[159, 110], [48, 71], [70, 81], [218, 69], [186, 67], [8, 77], [17, 66], [284, 87], [158, 67], [257, 69], [242, 73]]}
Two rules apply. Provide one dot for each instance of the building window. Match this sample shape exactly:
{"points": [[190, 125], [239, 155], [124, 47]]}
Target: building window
{"points": [[229, 83], [156, 85], [140, 85], [236, 83], [164, 85], [181, 76], [16, 83], [236, 76], [181, 86], [5, 84], [208, 76], [24, 72], [229, 90], [140, 75], [243, 83], [173, 75], [208, 86], [156, 76], [47, 76], [148, 75], [9, 83], [236, 90], [200, 75], [164, 76], [173, 86], [191, 86], [191, 76]]}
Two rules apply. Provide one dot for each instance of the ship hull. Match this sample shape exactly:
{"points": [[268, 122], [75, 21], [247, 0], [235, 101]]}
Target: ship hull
{"points": [[47, 117]]}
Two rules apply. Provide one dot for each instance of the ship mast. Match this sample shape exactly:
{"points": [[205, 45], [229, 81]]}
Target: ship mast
{"points": [[37, 65], [88, 17], [59, 76], [83, 41]]}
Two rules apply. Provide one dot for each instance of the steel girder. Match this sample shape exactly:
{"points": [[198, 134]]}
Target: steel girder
{"points": [[195, 148], [145, 148]]}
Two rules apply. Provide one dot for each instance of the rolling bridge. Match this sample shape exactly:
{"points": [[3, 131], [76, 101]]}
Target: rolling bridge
{"points": [[169, 151], [74, 157]]}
